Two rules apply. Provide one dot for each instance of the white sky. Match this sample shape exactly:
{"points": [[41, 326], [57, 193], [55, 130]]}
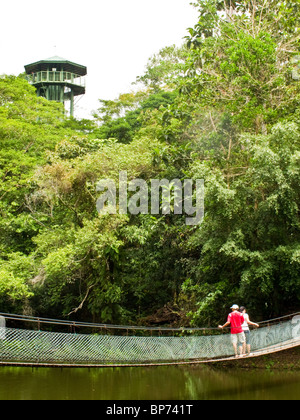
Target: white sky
{"points": [[113, 38]]}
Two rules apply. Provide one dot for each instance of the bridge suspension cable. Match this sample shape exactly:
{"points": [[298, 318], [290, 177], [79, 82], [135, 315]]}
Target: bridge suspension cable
{"points": [[41, 320]]}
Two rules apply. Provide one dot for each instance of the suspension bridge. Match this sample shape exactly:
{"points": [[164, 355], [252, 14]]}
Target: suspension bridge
{"points": [[32, 341]]}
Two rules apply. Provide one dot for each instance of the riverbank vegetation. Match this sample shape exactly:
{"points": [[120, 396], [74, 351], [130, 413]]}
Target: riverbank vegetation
{"points": [[224, 108], [287, 360]]}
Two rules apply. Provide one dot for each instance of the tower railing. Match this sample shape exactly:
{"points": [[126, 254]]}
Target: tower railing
{"points": [[56, 76]]}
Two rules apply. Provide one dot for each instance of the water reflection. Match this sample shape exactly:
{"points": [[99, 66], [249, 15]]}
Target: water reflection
{"points": [[161, 383]]}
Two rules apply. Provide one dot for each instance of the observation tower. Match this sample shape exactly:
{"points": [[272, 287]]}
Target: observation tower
{"points": [[57, 79]]}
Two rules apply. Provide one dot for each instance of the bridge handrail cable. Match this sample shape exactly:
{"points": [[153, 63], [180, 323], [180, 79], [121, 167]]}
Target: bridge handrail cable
{"points": [[27, 318]]}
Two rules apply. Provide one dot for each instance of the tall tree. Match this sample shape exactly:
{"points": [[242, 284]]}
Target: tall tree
{"points": [[242, 64]]}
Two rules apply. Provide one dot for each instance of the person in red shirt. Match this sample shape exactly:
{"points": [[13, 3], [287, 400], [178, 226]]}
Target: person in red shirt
{"points": [[235, 320]]}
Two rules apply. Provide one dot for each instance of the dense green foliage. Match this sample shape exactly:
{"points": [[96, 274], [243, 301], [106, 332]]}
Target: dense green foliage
{"points": [[223, 108]]}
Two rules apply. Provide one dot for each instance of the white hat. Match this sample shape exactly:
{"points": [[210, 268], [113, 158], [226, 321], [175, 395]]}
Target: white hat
{"points": [[235, 307]]}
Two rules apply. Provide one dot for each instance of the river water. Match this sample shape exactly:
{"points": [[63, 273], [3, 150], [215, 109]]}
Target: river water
{"points": [[149, 383]]}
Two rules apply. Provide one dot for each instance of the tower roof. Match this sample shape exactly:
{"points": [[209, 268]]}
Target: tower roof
{"points": [[56, 61]]}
